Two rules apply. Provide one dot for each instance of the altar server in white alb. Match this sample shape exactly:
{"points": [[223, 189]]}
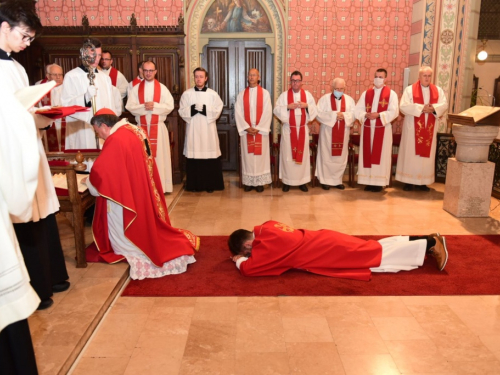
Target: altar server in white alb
{"points": [[150, 102], [295, 108], [118, 80], [200, 107], [376, 109], [254, 114], [77, 91], [54, 137], [336, 115], [136, 80], [422, 104]]}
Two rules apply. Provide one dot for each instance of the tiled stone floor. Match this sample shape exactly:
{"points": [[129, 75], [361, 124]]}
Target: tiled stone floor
{"points": [[278, 335]]}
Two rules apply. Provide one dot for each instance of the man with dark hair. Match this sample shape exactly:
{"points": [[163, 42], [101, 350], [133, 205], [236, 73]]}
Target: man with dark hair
{"points": [[376, 109], [295, 109], [137, 79], [150, 102], [118, 80], [78, 91], [200, 107], [273, 248], [131, 217]]}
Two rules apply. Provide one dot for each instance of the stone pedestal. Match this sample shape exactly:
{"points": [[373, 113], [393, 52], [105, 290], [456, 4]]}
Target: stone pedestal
{"points": [[467, 191]]}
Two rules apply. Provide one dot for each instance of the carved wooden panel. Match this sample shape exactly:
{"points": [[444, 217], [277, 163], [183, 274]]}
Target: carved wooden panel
{"points": [[218, 72], [445, 148], [255, 58]]}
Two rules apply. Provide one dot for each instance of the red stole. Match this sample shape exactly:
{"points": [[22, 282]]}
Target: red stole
{"points": [[254, 141], [424, 132], [372, 155], [113, 74], [338, 131], [297, 141], [133, 182], [136, 81], [153, 126], [51, 133]]}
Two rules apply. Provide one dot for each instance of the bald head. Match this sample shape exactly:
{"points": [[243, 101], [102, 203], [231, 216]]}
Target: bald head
{"points": [[54, 72], [253, 77], [338, 83], [425, 75]]}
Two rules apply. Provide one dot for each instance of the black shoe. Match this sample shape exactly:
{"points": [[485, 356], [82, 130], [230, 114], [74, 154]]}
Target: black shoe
{"points": [[303, 188], [45, 304], [340, 187], [285, 188], [247, 188], [210, 191], [325, 187], [423, 188], [259, 189], [377, 189], [368, 188], [408, 187], [61, 287]]}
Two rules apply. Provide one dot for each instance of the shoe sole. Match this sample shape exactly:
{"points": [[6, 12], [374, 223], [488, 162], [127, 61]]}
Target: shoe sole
{"points": [[446, 253]]}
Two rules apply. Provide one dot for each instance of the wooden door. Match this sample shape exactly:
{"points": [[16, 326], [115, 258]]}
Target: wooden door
{"points": [[227, 63]]}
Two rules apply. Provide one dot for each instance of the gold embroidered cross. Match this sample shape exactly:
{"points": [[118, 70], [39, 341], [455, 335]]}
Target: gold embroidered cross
{"points": [[383, 103], [368, 107]]}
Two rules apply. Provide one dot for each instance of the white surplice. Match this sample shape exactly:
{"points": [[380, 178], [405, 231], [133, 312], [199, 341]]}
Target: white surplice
{"points": [[121, 82], [13, 77], [79, 132], [162, 109], [19, 160], [330, 169], [202, 140], [292, 173], [255, 169], [377, 175], [413, 169]]}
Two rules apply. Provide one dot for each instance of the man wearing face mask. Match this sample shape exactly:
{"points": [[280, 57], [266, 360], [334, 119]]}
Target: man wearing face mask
{"points": [[375, 110], [336, 115], [422, 103], [295, 108]]}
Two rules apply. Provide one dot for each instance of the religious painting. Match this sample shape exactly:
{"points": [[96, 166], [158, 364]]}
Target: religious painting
{"points": [[236, 16]]}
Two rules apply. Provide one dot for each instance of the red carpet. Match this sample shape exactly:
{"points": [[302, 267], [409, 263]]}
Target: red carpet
{"points": [[473, 268]]}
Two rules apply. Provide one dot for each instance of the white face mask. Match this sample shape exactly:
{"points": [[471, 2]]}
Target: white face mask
{"points": [[378, 82]]}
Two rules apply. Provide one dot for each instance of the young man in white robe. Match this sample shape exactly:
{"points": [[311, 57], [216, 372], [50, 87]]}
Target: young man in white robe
{"points": [[254, 114], [118, 80], [376, 109], [336, 116], [54, 136], [200, 107], [78, 91], [150, 102], [39, 236], [295, 109], [422, 104], [137, 79]]}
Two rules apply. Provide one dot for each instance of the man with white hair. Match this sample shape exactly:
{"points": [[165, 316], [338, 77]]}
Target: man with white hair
{"points": [[54, 136], [336, 115], [422, 103]]}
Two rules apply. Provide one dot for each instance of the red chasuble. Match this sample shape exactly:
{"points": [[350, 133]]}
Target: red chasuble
{"points": [[153, 126], [254, 141], [338, 131], [297, 141], [51, 133], [372, 154], [113, 74], [125, 173], [278, 248], [424, 132]]}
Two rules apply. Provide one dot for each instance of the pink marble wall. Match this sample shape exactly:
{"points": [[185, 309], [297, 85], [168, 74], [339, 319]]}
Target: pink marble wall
{"points": [[350, 39], [109, 12]]}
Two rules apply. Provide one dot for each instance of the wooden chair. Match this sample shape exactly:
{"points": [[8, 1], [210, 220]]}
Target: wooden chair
{"points": [[313, 150], [353, 157], [71, 200], [396, 141]]}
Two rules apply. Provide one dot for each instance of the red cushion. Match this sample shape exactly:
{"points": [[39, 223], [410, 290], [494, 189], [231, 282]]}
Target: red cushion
{"points": [[58, 163]]}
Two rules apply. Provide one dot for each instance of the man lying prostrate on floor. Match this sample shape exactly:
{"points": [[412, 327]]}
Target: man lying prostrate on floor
{"points": [[273, 248], [131, 218]]}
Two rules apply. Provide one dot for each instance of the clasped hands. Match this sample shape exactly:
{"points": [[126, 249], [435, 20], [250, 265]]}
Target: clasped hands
{"points": [[199, 107], [428, 108], [149, 106], [372, 115], [234, 258], [296, 105], [252, 131]]}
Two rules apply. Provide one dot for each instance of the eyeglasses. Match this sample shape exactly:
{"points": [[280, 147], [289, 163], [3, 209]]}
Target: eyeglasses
{"points": [[56, 74], [296, 80], [106, 59], [26, 37], [149, 71]]}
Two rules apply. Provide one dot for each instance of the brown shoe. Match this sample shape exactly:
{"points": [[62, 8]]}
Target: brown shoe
{"points": [[440, 252]]}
